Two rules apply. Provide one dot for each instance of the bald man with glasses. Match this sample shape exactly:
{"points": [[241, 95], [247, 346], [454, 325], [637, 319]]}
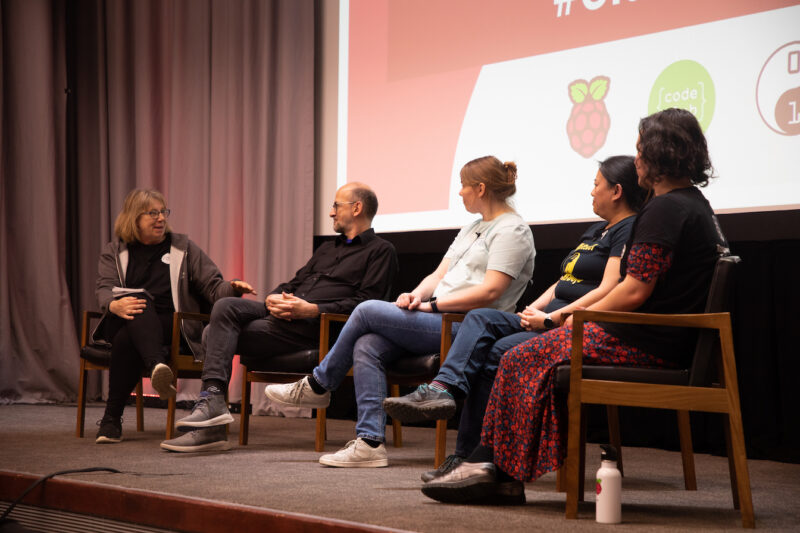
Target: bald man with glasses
{"points": [[355, 267]]}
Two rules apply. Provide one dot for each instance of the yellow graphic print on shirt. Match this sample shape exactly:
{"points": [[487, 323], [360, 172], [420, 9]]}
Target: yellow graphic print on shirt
{"points": [[570, 266]]}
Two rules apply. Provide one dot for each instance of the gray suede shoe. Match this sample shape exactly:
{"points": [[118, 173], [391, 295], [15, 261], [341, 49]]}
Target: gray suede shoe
{"points": [[475, 483], [447, 466], [199, 440], [424, 403], [210, 410]]}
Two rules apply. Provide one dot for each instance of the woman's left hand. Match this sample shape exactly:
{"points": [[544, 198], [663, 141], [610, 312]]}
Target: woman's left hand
{"points": [[242, 287], [425, 307], [532, 319]]}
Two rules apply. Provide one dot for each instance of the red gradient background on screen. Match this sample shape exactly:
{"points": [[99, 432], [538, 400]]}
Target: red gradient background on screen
{"points": [[413, 65]]}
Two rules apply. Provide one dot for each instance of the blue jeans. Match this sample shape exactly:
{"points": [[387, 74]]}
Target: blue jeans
{"points": [[479, 346], [376, 334], [471, 365]]}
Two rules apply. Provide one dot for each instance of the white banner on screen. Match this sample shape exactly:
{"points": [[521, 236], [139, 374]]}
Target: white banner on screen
{"points": [[519, 111]]}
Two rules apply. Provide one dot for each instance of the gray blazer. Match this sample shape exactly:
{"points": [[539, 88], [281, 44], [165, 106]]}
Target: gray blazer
{"points": [[195, 280]]}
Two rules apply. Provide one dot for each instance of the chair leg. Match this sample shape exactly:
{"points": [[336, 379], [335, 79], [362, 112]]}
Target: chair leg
{"points": [[737, 462], [687, 451], [170, 418], [397, 427], [322, 430], [572, 463], [614, 438], [582, 466], [244, 418], [79, 423], [139, 407], [441, 442]]}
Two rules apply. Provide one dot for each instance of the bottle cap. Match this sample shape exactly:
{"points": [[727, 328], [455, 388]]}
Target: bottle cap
{"points": [[608, 453]]}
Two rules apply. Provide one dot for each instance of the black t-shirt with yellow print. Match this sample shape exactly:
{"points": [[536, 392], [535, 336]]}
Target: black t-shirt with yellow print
{"points": [[583, 268]]}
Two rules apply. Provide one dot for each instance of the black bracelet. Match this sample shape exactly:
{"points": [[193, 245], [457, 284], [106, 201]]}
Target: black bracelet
{"points": [[434, 307]]}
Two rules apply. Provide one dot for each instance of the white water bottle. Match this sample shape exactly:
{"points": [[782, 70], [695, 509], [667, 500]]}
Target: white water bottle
{"points": [[608, 504]]}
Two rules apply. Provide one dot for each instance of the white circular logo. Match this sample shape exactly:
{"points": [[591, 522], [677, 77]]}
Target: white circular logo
{"points": [[165, 258]]}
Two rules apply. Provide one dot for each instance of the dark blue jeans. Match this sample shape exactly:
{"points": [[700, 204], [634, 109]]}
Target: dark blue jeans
{"points": [[471, 364]]}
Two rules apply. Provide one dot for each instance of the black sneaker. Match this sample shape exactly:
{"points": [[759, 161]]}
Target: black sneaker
{"points": [[110, 431], [424, 403], [447, 465]]}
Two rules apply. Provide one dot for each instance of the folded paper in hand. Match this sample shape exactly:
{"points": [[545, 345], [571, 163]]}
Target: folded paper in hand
{"points": [[121, 292]]}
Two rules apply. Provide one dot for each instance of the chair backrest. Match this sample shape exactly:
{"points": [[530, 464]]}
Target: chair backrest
{"points": [[719, 300]]}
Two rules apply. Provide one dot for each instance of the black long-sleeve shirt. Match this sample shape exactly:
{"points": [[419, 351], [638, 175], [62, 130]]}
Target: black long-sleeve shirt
{"points": [[341, 275]]}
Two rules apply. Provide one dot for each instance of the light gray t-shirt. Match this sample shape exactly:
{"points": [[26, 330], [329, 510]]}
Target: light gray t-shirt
{"points": [[504, 244]]}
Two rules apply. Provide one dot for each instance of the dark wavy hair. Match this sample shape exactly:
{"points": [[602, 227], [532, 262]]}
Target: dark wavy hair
{"points": [[620, 170], [671, 143]]}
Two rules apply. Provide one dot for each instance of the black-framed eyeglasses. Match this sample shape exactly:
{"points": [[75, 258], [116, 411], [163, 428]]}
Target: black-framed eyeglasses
{"points": [[155, 212], [337, 204]]}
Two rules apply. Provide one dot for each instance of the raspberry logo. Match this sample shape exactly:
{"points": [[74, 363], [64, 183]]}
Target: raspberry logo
{"points": [[598, 486], [588, 122]]}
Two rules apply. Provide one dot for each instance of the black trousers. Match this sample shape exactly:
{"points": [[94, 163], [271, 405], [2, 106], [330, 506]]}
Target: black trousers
{"points": [[136, 345]]}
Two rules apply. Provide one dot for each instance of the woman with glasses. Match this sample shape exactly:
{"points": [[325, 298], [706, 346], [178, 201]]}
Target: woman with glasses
{"points": [[144, 276], [488, 265]]}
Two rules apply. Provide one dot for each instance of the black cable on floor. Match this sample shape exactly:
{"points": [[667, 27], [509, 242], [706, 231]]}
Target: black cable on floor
{"points": [[48, 476]]}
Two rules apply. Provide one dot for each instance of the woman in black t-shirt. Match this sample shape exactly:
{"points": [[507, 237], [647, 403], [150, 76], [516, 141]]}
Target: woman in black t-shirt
{"points": [[144, 276], [667, 266]]}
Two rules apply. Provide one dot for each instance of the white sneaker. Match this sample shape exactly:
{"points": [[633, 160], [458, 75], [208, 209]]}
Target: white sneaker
{"points": [[357, 454], [161, 380], [298, 393]]}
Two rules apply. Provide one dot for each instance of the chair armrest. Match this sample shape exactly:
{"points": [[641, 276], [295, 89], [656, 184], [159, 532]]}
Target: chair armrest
{"points": [[447, 333], [325, 320], [177, 318], [718, 321], [698, 320]]}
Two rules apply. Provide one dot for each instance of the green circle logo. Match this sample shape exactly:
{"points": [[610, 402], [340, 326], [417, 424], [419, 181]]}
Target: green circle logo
{"points": [[685, 84]]}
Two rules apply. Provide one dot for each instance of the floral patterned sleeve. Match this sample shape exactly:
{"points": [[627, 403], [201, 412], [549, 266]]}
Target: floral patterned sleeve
{"points": [[647, 261]]}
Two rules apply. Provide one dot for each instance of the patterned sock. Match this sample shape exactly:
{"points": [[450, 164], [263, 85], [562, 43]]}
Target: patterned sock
{"points": [[372, 443], [213, 386], [439, 386], [315, 386]]}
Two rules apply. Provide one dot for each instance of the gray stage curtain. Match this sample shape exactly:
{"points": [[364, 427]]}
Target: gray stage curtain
{"points": [[209, 101], [37, 337]]}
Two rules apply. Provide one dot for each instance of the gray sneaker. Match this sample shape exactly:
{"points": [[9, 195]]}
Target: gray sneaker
{"points": [[424, 403], [447, 465], [161, 379], [298, 393], [199, 440], [210, 410], [357, 454]]}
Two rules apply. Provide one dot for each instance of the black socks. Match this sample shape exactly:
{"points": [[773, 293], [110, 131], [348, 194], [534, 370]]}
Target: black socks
{"points": [[316, 387], [372, 443]]}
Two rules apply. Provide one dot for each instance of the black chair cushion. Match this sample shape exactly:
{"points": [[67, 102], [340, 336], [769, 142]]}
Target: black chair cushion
{"points": [[301, 362], [658, 376], [414, 366], [99, 354]]}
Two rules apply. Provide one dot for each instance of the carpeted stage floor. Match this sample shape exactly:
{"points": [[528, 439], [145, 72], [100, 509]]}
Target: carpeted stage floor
{"points": [[278, 470]]}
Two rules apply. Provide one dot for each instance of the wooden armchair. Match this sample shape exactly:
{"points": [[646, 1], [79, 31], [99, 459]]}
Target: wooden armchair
{"points": [[682, 390], [98, 357], [288, 368]]}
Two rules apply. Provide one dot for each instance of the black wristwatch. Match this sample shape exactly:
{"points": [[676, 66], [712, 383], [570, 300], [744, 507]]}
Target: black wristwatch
{"points": [[548, 322], [434, 307]]}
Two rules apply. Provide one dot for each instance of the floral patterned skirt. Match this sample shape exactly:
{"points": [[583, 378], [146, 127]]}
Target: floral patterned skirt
{"points": [[526, 423]]}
